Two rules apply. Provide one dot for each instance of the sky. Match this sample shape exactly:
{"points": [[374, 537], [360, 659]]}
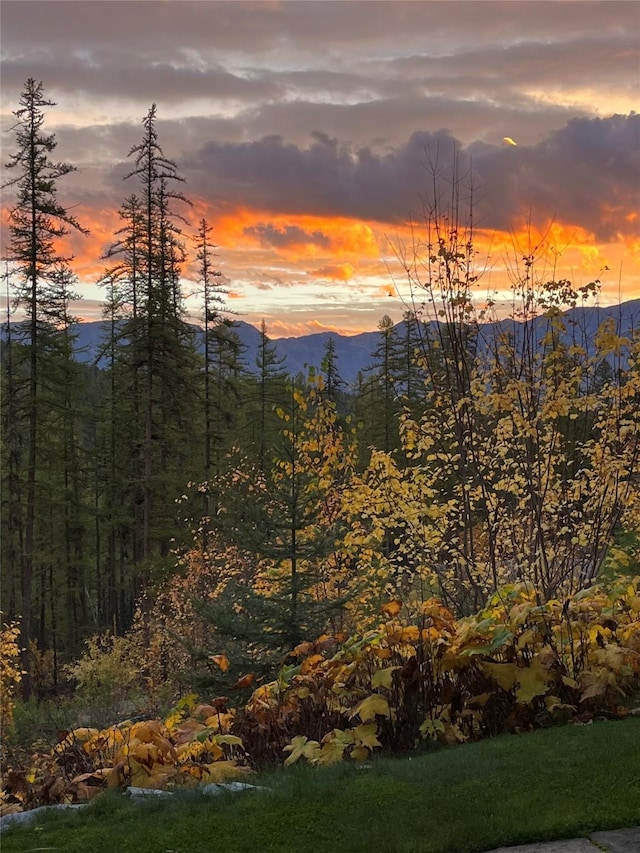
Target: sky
{"points": [[308, 132]]}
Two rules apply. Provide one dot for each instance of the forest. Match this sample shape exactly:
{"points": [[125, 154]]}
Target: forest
{"points": [[247, 566]]}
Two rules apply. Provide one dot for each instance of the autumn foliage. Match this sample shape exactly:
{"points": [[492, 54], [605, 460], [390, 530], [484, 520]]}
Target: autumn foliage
{"points": [[10, 672], [474, 576], [421, 675]]}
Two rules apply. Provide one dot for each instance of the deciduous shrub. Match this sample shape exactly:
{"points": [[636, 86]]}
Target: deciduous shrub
{"points": [[10, 673], [519, 663]]}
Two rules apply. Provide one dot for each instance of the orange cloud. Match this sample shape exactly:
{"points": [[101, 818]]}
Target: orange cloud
{"points": [[279, 328], [272, 261], [242, 227], [337, 272]]}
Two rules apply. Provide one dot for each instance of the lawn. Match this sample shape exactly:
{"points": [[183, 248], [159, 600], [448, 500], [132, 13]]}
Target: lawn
{"points": [[555, 783]]}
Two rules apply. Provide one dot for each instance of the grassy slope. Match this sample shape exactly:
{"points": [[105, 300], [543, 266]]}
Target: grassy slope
{"points": [[550, 784]]}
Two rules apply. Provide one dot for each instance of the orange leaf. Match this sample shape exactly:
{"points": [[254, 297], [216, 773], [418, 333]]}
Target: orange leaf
{"points": [[309, 664], [204, 711], [324, 642], [246, 681], [392, 608], [221, 661]]}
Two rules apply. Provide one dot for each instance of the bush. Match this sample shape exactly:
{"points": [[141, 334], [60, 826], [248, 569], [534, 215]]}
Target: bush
{"points": [[108, 678], [516, 665], [10, 673]]}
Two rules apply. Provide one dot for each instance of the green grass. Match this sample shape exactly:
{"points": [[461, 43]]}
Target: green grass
{"points": [[551, 784]]}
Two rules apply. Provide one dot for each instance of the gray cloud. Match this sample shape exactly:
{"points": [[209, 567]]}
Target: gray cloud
{"points": [[124, 76], [290, 235], [251, 53], [593, 61], [152, 29], [586, 174]]}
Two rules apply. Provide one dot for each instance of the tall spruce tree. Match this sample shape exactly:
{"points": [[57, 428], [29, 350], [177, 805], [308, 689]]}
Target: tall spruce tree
{"points": [[155, 368], [380, 387], [288, 525], [222, 368], [334, 384], [271, 389], [37, 221]]}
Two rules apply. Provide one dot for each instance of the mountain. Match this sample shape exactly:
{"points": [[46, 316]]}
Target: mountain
{"points": [[354, 353]]}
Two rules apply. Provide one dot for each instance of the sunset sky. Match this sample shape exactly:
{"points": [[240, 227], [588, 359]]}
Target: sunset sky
{"points": [[303, 130]]}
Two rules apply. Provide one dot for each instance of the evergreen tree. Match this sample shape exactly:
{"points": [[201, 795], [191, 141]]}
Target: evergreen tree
{"points": [[378, 404], [155, 368], [37, 220], [334, 384], [270, 390], [412, 372], [223, 369], [287, 523]]}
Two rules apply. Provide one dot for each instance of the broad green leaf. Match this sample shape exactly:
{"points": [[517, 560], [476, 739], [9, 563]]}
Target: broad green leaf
{"points": [[383, 677]]}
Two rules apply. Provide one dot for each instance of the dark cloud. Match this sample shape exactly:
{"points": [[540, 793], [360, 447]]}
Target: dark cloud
{"points": [[122, 74], [286, 236], [389, 121], [585, 174], [151, 29]]}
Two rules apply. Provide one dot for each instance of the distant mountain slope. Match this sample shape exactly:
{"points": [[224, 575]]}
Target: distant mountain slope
{"points": [[354, 352]]}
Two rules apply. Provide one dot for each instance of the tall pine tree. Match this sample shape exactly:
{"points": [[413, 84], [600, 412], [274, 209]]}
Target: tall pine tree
{"points": [[37, 221]]}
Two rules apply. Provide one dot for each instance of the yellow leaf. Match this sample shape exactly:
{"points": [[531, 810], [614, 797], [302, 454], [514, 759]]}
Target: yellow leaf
{"points": [[301, 747], [333, 746], [410, 634], [231, 740], [381, 652], [360, 753], [83, 734], [532, 681], [145, 731], [310, 663], [554, 704], [223, 771], [365, 735], [503, 673], [369, 707]]}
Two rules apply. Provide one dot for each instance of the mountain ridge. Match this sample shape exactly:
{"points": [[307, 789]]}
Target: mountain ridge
{"points": [[355, 352]]}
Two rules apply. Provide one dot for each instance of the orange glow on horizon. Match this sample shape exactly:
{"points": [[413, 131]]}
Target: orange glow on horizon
{"points": [[318, 264]]}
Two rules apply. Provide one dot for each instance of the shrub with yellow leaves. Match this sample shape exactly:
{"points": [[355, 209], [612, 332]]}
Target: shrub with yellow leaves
{"points": [[10, 673]]}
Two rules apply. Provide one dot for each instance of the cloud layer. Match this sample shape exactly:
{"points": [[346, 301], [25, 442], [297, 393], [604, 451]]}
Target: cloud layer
{"points": [[307, 132]]}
